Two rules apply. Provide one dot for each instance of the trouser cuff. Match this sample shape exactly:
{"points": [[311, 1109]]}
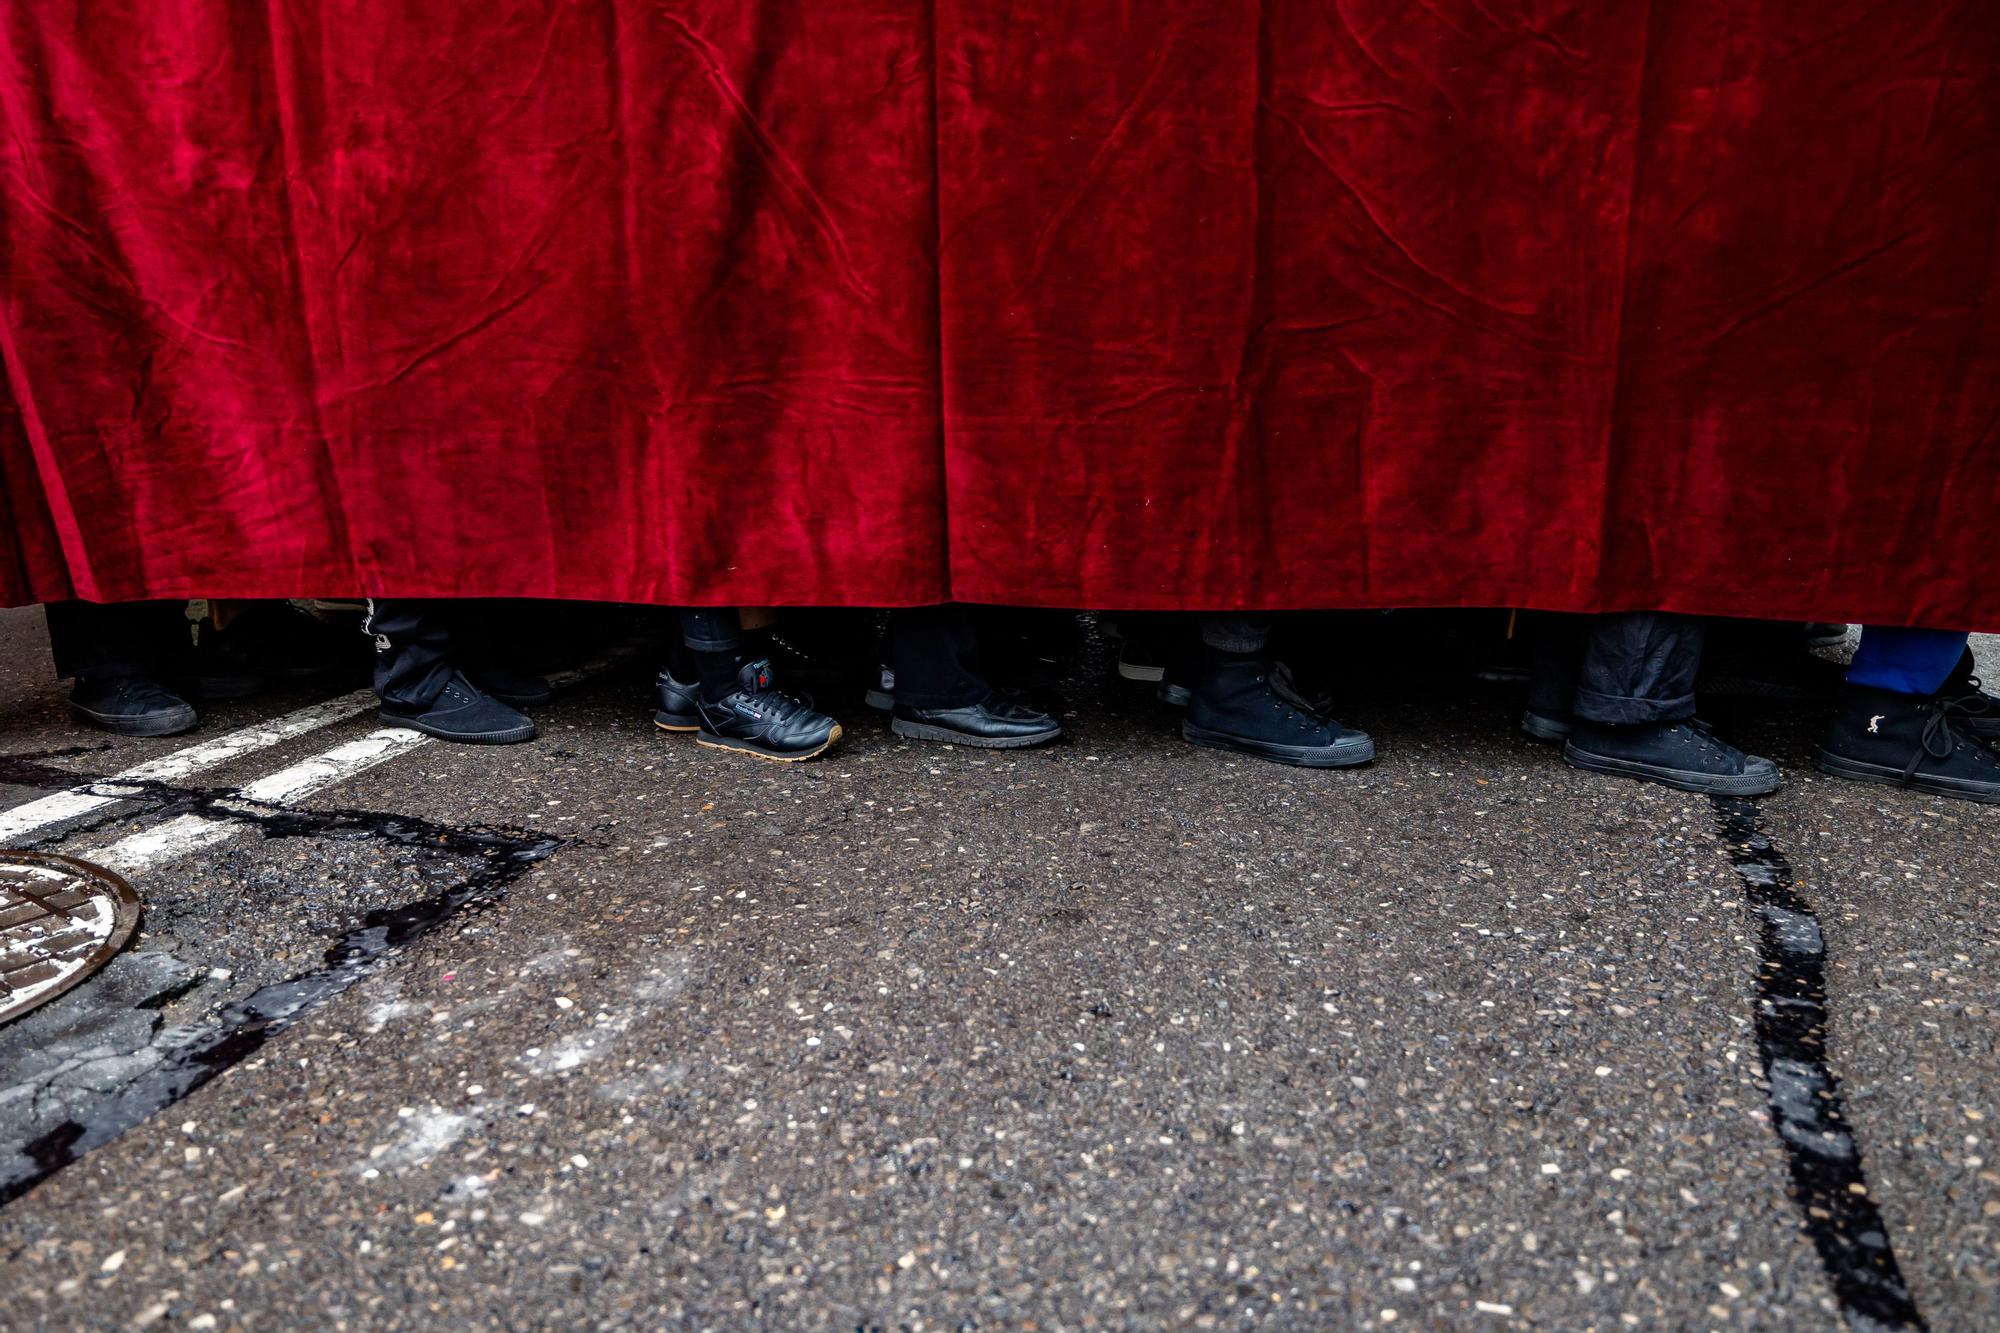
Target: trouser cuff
{"points": [[1627, 710]]}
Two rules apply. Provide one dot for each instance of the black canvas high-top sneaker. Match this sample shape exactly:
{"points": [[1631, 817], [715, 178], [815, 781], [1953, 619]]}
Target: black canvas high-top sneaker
{"points": [[1684, 755], [1244, 704], [1976, 711], [1907, 740]]}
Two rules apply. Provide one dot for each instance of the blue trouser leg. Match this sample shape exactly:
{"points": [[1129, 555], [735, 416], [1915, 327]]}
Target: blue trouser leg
{"points": [[1906, 661]]}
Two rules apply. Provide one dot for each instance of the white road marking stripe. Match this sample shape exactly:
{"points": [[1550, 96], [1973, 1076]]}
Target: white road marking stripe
{"points": [[189, 833], [81, 800]]}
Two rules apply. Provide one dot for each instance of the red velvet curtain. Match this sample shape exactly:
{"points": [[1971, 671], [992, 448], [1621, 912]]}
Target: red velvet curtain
{"points": [[1188, 303]]}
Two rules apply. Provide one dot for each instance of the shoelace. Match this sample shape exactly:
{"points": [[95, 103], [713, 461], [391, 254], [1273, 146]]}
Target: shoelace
{"points": [[1286, 686], [1975, 702], [778, 706], [1937, 731]]}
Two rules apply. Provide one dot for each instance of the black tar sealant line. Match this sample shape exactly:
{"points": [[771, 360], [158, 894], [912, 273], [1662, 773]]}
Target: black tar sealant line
{"points": [[1806, 1110], [241, 1028]]}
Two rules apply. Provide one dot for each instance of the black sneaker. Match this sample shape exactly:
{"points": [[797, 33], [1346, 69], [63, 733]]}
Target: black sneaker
{"points": [[1905, 740], [1244, 706], [462, 713], [759, 720], [680, 704], [1823, 634], [132, 706], [881, 696], [1684, 755], [1547, 726], [514, 688], [997, 722], [1142, 653], [1183, 669], [1973, 709]]}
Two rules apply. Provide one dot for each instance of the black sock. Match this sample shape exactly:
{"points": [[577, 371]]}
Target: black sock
{"points": [[680, 662], [717, 672]]}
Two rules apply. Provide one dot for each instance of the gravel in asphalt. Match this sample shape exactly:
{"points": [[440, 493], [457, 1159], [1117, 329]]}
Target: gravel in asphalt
{"points": [[1117, 1034]]}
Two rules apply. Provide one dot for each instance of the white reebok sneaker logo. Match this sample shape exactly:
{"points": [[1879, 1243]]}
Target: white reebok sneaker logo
{"points": [[1872, 728]]}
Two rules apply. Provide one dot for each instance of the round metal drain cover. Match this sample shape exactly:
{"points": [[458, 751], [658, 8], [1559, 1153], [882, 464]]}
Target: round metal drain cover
{"points": [[60, 920]]}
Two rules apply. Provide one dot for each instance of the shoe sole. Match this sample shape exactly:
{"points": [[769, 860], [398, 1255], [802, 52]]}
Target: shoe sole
{"points": [[672, 722], [1174, 696], [880, 700], [710, 741], [161, 724], [1140, 671], [1544, 728], [1704, 784], [511, 736], [924, 731], [1857, 770], [1349, 753]]}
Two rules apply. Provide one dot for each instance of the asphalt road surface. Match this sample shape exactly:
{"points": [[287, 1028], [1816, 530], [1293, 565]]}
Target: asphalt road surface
{"points": [[611, 1031]]}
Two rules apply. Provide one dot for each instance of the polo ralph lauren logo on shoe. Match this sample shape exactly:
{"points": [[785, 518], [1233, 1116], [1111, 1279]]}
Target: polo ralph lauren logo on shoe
{"points": [[1873, 729]]}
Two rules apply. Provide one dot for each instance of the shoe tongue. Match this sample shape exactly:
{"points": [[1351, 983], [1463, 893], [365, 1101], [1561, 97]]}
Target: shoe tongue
{"points": [[754, 677]]}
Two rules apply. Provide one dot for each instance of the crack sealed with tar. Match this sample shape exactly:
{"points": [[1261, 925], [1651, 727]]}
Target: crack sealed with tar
{"points": [[1807, 1112], [190, 1056]]}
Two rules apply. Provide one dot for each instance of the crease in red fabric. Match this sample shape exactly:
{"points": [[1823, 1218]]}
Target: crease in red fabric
{"points": [[1196, 304]]}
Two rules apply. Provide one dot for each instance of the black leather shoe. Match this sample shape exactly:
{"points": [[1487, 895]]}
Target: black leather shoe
{"points": [[1683, 755], [680, 705], [1974, 710], [1905, 740], [997, 722], [1242, 705], [514, 688], [132, 706], [756, 719], [462, 713]]}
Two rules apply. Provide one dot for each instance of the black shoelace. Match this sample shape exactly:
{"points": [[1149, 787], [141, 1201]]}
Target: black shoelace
{"points": [[1939, 740], [1974, 702], [1286, 686]]}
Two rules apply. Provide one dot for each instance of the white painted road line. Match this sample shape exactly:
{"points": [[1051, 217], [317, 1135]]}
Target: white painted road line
{"points": [[81, 800], [190, 833]]}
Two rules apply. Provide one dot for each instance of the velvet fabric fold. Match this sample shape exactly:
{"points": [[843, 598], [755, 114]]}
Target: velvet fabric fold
{"points": [[1186, 304]]}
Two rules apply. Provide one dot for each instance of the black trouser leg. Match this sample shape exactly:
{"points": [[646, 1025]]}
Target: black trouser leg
{"points": [[934, 652], [1639, 667], [1238, 636], [412, 649], [96, 640], [1558, 641], [714, 636]]}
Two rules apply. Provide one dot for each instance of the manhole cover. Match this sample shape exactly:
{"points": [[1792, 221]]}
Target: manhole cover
{"points": [[60, 920]]}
